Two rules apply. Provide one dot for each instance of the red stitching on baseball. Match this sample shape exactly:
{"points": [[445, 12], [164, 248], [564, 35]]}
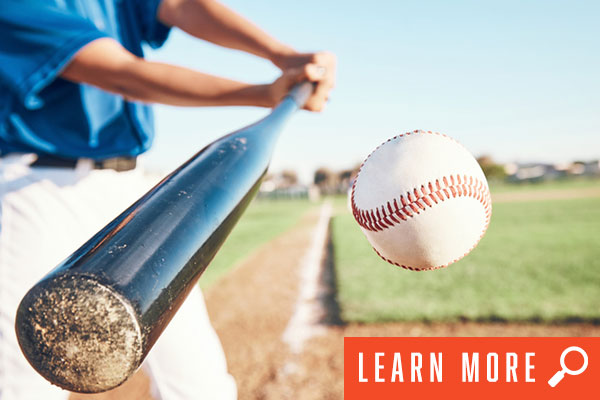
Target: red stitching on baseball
{"points": [[458, 186], [376, 218]]}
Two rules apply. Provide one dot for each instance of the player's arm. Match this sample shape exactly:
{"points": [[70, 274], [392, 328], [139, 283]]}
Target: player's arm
{"points": [[106, 64], [214, 22]]}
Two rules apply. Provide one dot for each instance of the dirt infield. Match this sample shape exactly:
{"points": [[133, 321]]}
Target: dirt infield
{"points": [[252, 305]]}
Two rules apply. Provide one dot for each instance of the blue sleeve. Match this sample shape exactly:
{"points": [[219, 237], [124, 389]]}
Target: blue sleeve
{"points": [[36, 43], [153, 31]]}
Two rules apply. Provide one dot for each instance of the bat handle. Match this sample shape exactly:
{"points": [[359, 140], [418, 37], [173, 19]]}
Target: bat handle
{"points": [[292, 102], [301, 92]]}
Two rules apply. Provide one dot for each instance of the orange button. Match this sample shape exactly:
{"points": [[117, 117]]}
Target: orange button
{"points": [[471, 368]]}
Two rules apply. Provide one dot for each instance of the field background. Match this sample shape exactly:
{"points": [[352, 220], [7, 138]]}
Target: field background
{"points": [[538, 262], [535, 273], [262, 222]]}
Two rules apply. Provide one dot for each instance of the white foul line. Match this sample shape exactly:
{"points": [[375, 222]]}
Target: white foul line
{"points": [[304, 323]]}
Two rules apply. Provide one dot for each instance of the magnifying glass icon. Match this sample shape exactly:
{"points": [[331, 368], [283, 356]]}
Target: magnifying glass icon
{"points": [[564, 370]]}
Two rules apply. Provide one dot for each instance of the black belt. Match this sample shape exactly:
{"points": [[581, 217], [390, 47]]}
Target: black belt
{"points": [[116, 163]]}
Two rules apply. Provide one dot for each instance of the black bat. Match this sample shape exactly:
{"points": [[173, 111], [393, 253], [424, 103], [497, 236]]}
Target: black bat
{"points": [[88, 325]]}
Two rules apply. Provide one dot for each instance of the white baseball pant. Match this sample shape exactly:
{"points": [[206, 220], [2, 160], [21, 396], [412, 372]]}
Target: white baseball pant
{"points": [[46, 214]]}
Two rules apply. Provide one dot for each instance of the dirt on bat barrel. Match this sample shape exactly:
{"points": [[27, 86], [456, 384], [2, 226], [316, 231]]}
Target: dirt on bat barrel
{"points": [[79, 334]]}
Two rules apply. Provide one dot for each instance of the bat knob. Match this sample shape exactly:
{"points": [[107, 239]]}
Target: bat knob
{"points": [[79, 334]]}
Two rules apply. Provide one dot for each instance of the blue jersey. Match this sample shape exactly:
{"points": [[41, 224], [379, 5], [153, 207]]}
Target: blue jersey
{"points": [[42, 113]]}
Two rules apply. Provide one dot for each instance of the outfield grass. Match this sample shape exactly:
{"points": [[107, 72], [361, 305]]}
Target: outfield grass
{"points": [[539, 261], [263, 221]]}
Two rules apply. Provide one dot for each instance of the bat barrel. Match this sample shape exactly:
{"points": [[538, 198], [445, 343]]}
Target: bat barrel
{"points": [[88, 325], [80, 334]]}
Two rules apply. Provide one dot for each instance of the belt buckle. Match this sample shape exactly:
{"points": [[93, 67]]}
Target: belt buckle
{"points": [[118, 164]]}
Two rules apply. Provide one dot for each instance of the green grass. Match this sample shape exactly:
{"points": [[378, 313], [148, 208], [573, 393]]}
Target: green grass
{"points": [[263, 221], [539, 261], [559, 184]]}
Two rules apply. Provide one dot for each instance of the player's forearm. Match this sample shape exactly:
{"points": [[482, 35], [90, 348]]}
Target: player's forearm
{"points": [[216, 23], [106, 64], [153, 82]]}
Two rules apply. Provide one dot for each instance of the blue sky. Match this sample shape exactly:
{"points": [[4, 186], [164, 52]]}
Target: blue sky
{"points": [[514, 79]]}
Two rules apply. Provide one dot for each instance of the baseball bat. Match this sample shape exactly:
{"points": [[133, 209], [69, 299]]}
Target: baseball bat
{"points": [[89, 323]]}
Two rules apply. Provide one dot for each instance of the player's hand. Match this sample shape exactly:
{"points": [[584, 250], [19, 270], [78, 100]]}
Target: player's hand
{"points": [[315, 67]]}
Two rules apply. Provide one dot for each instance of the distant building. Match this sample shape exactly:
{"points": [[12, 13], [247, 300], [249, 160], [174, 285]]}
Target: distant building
{"points": [[292, 192], [588, 168], [284, 185], [535, 172]]}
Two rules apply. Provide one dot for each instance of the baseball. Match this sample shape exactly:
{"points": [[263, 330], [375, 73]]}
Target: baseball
{"points": [[421, 200]]}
